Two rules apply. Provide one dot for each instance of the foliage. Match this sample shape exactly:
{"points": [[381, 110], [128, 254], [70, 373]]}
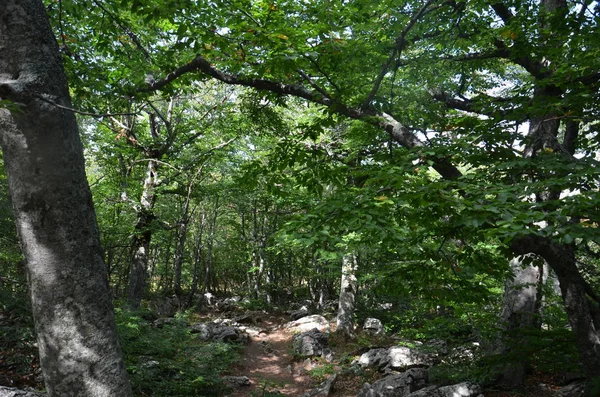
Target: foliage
{"points": [[170, 360]]}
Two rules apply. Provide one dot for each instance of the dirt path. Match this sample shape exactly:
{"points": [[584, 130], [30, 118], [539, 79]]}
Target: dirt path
{"points": [[268, 361]]}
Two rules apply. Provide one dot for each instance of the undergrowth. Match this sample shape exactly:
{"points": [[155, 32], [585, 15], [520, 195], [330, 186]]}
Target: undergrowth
{"points": [[170, 361]]}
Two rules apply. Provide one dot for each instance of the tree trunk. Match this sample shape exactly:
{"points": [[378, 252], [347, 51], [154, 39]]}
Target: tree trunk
{"points": [[179, 253], [76, 333], [581, 302], [209, 248], [348, 289], [197, 259], [140, 244], [522, 297]]}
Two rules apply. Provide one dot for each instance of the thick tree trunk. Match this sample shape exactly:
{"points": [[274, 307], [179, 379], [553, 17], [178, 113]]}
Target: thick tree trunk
{"points": [[522, 297], [348, 289], [79, 349], [579, 300]]}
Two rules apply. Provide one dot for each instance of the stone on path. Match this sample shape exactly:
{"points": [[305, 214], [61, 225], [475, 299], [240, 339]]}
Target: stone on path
{"points": [[308, 323]]}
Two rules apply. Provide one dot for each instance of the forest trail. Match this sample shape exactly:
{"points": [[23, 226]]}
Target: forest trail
{"points": [[269, 363]]}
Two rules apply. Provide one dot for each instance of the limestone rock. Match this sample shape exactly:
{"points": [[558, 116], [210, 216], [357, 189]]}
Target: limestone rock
{"points": [[310, 343], [396, 385], [394, 358], [373, 326], [308, 323], [14, 392], [464, 389], [237, 381]]}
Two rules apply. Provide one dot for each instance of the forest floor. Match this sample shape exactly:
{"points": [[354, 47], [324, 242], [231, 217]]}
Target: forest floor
{"points": [[269, 363], [273, 370]]}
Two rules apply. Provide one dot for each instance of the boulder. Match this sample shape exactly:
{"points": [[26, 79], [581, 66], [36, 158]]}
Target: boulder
{"points": [[308, 323], [396, 385], [310, 343], [394, 359], [373, 326], [464, 389]]}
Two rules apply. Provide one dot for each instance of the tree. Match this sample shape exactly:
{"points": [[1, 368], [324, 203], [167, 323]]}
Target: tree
{"points": [[454, 83], [79, 349]]}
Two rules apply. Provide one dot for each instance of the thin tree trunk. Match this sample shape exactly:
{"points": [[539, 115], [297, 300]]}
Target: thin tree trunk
{"points": [[197, 259], [179, 253], [140, 244], [208, 272], [43, 156], [348, 289]]}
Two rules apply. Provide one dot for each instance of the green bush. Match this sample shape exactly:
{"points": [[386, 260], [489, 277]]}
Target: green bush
{"points": [[170, 361]]}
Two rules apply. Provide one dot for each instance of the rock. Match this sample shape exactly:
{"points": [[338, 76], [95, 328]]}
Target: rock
{"points": [[204, 330], [464, 389], [165, 306], [374, 358], [307, 364], [298, 314], [220, 333], [13, 392], [396, 385], [463, 353], [574, 389], [208, 299], [266, 347], [310, 343], [249, 318], [150, 364], [394, 358], [324, 389], [373, 326], [237, 381], [308, 323], [405, 357], [439, 346]]}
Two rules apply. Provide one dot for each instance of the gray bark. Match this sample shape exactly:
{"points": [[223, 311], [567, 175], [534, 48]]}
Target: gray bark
{"points": [[79, 349], [140, 244], [577, 296], [348, 289], [522, 298]]}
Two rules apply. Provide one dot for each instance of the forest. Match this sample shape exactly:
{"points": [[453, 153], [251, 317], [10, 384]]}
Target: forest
{"points": [[300, 198]]}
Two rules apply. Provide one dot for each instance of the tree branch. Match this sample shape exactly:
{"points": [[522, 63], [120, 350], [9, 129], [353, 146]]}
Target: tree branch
{"points": [[396, 51]]}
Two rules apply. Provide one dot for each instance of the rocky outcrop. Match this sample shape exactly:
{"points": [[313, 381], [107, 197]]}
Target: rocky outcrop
{"points": [[220, 333], [311, 343], [464, 389], [395, 359], [396, 385], [13, 392], [308, 323]]}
